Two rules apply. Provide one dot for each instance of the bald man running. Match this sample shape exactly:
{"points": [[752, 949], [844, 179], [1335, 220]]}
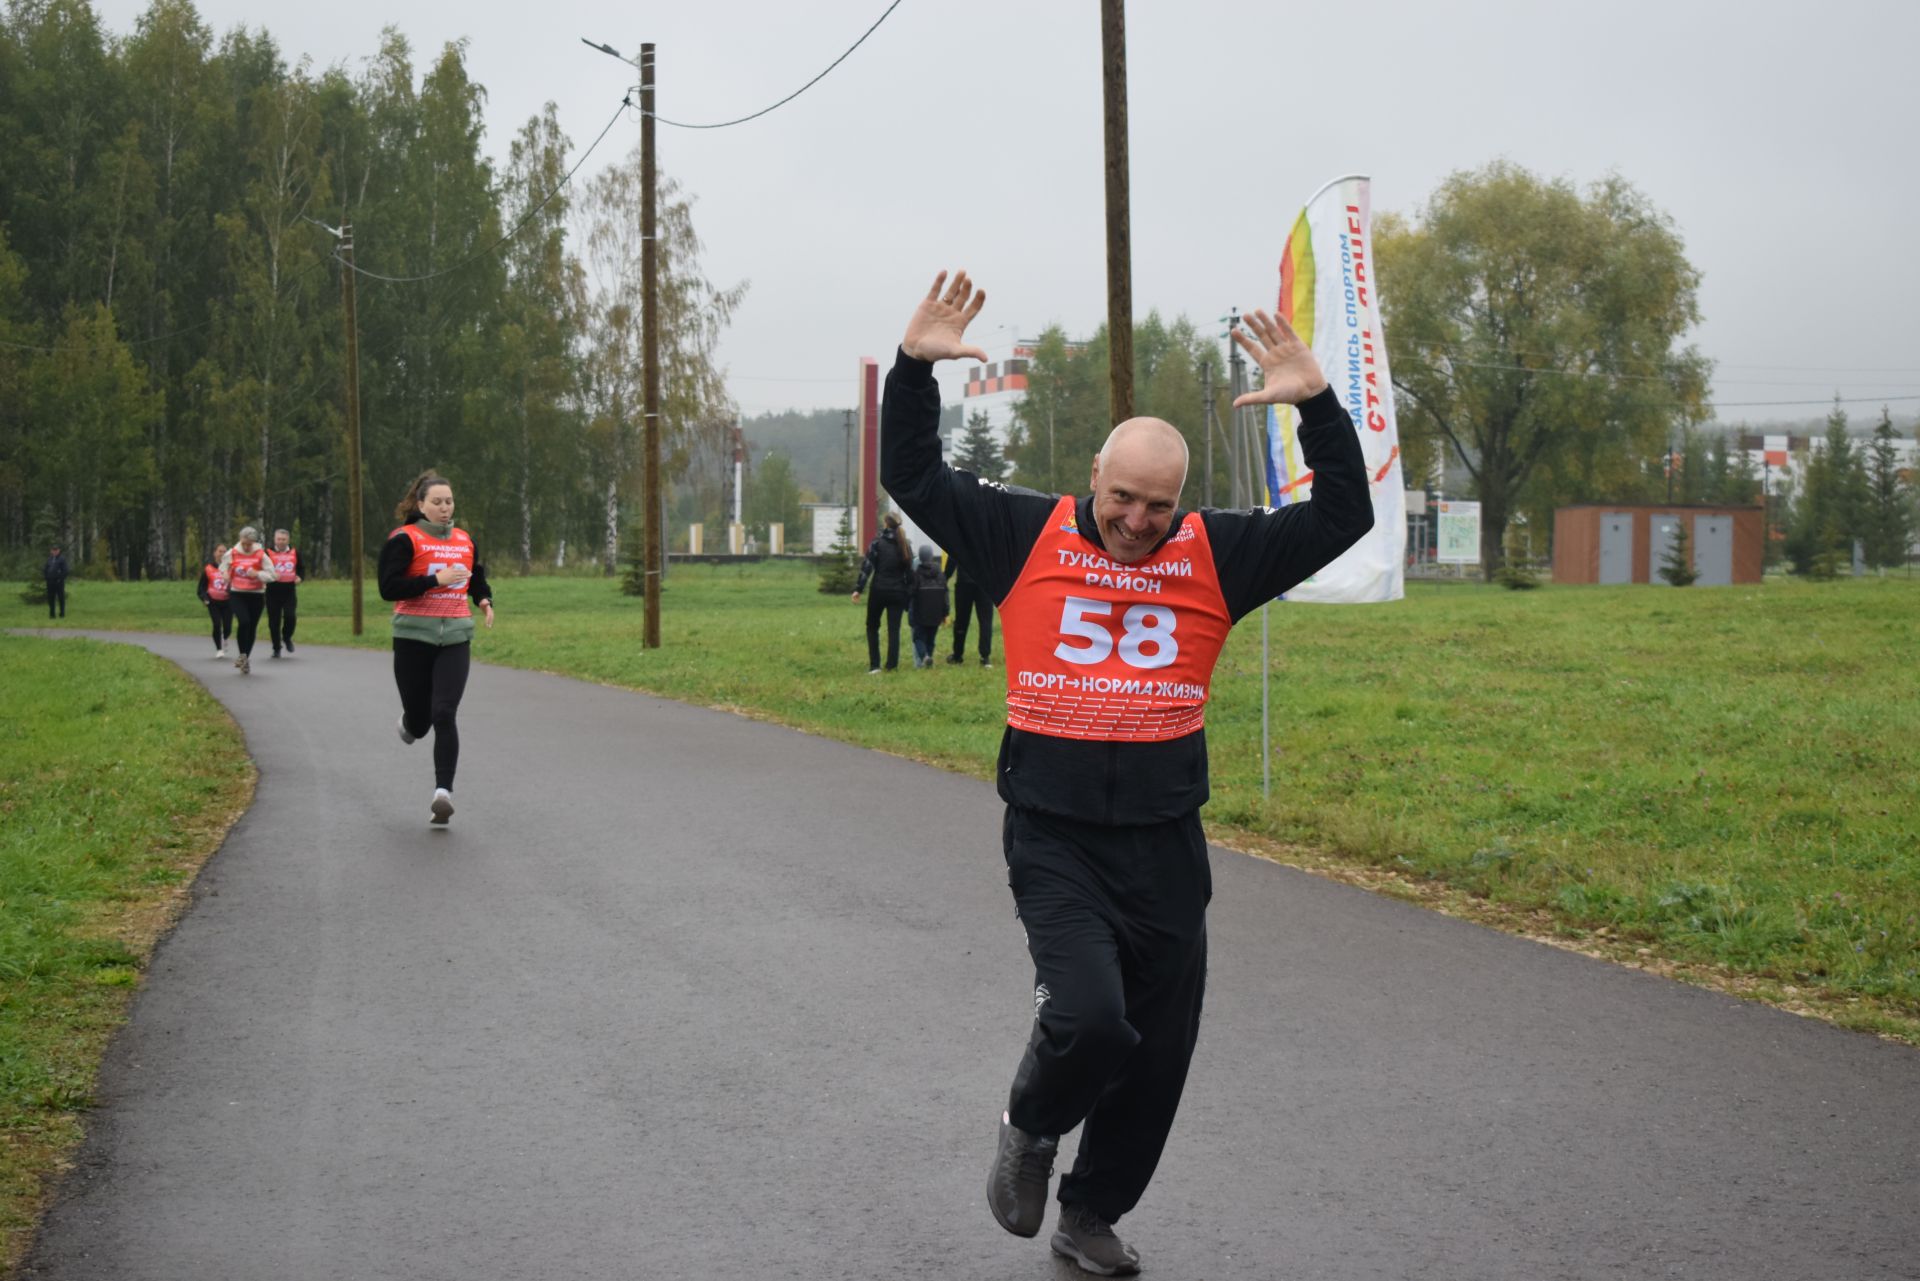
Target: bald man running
{"points": [[1114, 607]]}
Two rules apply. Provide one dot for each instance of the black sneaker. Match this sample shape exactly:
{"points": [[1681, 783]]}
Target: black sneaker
{"points": [[985, 661], [1089, 1240], [289, 644], [1017, 1184], [954, 660]]}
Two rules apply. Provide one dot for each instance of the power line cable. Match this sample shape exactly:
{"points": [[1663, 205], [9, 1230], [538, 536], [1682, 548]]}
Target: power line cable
{"points": [[728, 124], [512, 232]]}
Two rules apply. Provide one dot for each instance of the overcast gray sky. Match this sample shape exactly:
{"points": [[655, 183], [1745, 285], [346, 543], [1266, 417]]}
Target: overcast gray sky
{"points": [[1780, 137]]}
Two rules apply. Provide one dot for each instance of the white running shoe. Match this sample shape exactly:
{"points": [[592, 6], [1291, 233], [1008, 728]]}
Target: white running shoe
{"points": [[442, 806], [404, 736], [220, 654]]}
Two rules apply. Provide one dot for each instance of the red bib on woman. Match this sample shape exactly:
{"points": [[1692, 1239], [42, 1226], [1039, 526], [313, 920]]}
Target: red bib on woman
{"points": [[246, 570], [1100, 650], [283, 563], [216, 584], [430, 555]]}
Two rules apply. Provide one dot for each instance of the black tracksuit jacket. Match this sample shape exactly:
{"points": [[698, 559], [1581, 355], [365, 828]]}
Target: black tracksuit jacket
{"points": [[992, 528]]}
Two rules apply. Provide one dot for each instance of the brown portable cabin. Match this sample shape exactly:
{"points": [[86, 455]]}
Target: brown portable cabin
{"points": [[1625, 542]]}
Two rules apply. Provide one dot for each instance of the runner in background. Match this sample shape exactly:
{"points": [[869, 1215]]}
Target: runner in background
{"points": [[430, 572], [211, 587], [248, 571], [282, 602]]}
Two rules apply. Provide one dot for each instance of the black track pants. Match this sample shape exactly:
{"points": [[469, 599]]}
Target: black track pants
{"points": [[1116, 923], [431, 679], [57, 594], [246, 616], [894, 606], [222, 615], [282, 608], [970, 599]]}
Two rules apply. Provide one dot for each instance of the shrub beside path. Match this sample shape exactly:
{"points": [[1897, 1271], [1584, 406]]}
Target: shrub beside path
{"points": [[683, 994]]}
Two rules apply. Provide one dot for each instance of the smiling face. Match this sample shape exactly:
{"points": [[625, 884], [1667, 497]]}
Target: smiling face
{"points": [[437, 506], [1136, 486]]}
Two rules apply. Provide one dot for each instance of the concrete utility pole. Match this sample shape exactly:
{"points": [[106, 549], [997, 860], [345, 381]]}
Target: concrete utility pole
{"points": [[356, 504], [846, 495], [1206, 477], [1236, 385], [654, 549], [1113, 49]]}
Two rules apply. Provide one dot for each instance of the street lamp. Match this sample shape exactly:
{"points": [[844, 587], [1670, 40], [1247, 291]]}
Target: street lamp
{"points": [[653, 551]]}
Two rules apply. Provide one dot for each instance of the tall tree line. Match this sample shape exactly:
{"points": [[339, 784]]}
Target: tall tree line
{"points": [[172, 341]]}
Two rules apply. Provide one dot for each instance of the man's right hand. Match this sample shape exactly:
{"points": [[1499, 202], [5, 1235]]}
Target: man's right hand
{"points": [[939, 325]]}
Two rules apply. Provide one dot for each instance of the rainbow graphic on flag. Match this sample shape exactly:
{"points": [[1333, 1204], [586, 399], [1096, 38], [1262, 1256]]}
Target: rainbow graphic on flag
{"points": [[1329, 295], [1296, 308]]}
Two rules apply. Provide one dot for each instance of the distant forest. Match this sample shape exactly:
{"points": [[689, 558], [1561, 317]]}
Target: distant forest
{"points": [[814, 441]]}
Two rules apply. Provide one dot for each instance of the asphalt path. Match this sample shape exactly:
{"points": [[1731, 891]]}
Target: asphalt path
{"points": [[680, 995]]}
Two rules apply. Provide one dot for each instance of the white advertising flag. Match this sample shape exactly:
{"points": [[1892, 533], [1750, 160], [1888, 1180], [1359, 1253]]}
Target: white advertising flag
{"points": [[1328, 294]]}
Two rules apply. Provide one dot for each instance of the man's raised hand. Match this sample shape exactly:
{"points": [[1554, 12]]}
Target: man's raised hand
{"points": [[939, 326], [1291, 371]]}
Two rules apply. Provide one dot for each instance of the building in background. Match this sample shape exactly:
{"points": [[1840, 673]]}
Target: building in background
{"points": [[994, 390]]}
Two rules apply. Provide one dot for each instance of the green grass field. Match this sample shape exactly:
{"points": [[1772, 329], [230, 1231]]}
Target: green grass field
{"points": [[118, 775], [1727, 779]]}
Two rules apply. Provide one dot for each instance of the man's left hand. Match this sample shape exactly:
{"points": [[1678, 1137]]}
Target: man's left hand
{"points": [[1290, 370], [938, 328]]}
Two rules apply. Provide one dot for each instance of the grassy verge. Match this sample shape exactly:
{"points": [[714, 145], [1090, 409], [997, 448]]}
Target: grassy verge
{"points": [[118, 776], [1723, 783]]}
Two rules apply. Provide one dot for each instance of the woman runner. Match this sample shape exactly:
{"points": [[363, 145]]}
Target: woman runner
{"points": [[429, 571], [248, 570], [212, 589]]}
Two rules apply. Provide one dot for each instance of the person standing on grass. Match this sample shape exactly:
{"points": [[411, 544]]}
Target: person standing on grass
{"points": [[247, 570], [282, 603], [55, 574], [968, 600], [889, 564], [929, 608], [211, 587], [433, 576], [1114, 606]]}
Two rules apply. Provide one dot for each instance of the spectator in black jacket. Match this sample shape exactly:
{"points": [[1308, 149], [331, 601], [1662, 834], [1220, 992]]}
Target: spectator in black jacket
{"points": [[969, 600], [929, 607], [889, 564], [55, 572], [1114, 606]]}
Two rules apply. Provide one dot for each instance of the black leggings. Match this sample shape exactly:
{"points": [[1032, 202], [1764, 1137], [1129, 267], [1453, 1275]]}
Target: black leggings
{"points": [[246, 614], [222, 615], [281, 608], [431, 679], [970, 599], [894, 606]]}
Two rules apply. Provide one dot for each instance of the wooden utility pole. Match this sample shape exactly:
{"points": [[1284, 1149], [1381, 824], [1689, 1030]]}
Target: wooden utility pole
{"points": [[356, 506], [1113, 50], [653, 549]]}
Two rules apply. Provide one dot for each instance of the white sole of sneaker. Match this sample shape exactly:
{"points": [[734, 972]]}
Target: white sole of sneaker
{"points": [[442, 809], [1064, 1247]]}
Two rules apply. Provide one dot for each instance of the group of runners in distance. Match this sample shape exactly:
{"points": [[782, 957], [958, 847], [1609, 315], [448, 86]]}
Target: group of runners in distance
{"points": [[428, 569], [1115, 605]]}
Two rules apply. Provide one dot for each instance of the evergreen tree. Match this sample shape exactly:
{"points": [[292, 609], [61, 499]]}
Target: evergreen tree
{"points": [[840, 569], [1889, 527], [979, 452], [1677, 565]]}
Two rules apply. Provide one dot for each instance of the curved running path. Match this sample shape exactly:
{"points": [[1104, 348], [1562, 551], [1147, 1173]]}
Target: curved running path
{"points": [[681, 995]]}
